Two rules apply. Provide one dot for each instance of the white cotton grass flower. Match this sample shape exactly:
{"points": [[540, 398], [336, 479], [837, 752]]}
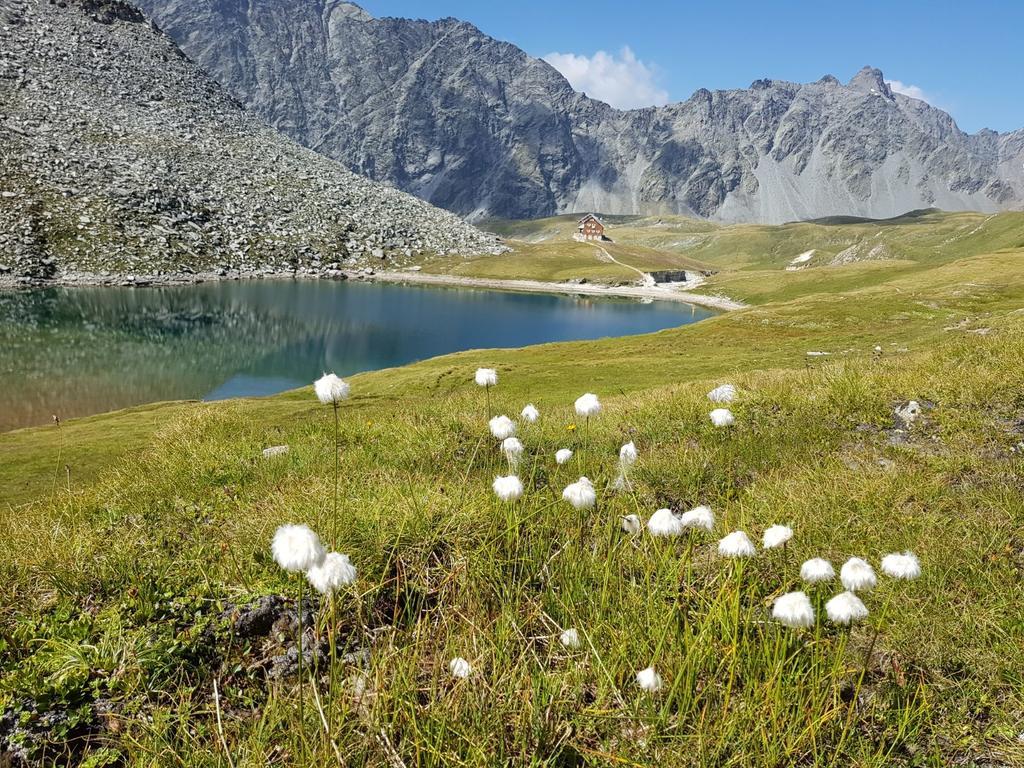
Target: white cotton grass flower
{"points": [[724, 393], [570, 638], [628, 454], [794, 610], [816, 570], [777, 535], [460, 668], [664, 523], [698, 517], [722, 417], [335, 572], [736, 544], [296, 548], [486, 377], [857, 575], [562, 455], [502, 427], [649, 679], [631, 524], [512, 447], [508, 487], [580, 494], [587, 405], [901, 566], [845, 608], [530, 414], [330, 389]]}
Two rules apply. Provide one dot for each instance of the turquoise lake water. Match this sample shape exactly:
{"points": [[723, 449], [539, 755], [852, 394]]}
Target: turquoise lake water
{"points": [[78, 351]]}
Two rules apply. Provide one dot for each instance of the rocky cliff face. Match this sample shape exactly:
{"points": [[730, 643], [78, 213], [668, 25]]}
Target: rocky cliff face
{"points": [[119, 155], [477, 126]]}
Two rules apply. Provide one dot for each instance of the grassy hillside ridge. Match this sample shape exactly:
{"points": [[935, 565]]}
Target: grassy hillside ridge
{"points": [[119, 616], [755, 263]]}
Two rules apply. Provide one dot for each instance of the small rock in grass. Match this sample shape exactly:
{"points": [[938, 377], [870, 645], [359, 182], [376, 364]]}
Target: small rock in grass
{"points": [[275, 450], [907, 414]]}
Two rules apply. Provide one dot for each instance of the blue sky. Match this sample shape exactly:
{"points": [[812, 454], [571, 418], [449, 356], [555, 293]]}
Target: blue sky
{"points": [[967, 57]]}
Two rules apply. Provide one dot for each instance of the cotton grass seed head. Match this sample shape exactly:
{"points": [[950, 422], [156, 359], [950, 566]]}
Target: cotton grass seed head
{"points": [[502, 427], [664, 523], [486, 377], [587, 405], [777, 535], [296, 548], [845, 608], [631, 524], [508, 488], [698, 517], [562, 455], [570, 638], [736, 544], [530, 414], [460, 668], [580, 494], [857, 575], [794, 610], [649, 680], [722, 417], [330, 389], [628, 454], [512, 447], [903, 566], [725, 393], [816, 570], [335, 572]]}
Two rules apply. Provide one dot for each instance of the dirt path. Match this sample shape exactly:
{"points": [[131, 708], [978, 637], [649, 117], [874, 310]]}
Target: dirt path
{"points": [[661, 293], [647, 280]]}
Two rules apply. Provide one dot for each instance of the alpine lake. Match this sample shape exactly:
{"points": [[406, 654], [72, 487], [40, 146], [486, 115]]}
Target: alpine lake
{"points": [[75, 351]]}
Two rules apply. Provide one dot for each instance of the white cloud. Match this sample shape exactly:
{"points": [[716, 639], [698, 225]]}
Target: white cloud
{"points": [[906, 89], [624, 81]]}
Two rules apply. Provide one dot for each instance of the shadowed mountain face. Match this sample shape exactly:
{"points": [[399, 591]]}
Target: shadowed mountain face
{"points": [[477, 126]]}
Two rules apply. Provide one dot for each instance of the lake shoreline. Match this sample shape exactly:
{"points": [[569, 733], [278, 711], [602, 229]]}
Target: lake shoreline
{"points": [[85, 279], [539, 286]]}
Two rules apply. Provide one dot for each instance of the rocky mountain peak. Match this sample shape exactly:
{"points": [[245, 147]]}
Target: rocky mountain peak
{"points": [[476, 125], [349, 10], [868, 80]]}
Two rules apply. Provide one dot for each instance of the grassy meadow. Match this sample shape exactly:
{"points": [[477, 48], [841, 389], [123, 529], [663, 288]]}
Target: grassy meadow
{"points": [[135, 544]]}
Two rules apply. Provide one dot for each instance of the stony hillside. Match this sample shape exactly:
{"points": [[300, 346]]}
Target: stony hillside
{"points": [[478, 126], [119, 156]]}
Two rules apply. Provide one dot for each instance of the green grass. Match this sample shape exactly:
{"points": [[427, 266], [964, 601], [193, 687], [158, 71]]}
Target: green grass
{"points": [[118, 593], [752, 260]]}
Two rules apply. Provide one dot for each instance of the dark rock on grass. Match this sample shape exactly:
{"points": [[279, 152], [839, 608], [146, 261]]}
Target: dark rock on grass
{"points": [[31, 734], [314, 654], [271, 614], [257, 620]]}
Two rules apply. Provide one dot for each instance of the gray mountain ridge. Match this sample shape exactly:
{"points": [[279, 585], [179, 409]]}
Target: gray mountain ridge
{"points": [[476, 125], [120, 157]]}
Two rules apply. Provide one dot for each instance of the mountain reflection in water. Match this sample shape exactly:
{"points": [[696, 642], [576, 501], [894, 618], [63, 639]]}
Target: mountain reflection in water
{"points": [[77, 351]]}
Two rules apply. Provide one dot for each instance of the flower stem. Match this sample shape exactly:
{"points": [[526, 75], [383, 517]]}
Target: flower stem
{"points": [[333, 642], [302, 719], [334, 522]]}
